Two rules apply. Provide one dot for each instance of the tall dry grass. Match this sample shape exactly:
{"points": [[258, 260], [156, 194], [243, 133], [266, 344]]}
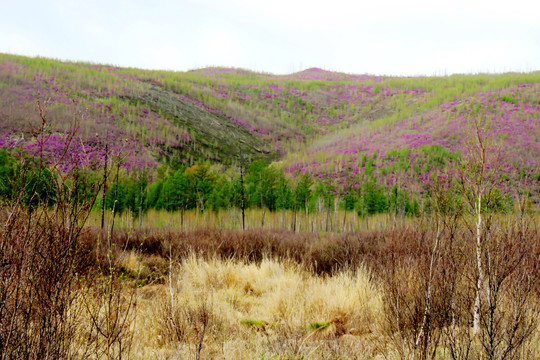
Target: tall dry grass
{"points": [[267, 310]]}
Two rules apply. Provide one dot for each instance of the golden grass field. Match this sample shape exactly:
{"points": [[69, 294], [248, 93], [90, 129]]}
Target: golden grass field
{"points": [[256, 311]]}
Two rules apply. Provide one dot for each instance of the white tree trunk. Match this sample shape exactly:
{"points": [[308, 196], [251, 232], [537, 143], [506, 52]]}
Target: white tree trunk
{"points": [[479, 266]]}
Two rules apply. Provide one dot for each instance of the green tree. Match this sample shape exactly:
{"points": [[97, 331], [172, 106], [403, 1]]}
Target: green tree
{"points": [[284, 193], [253, 178], [201, 182], [349, 199], [7, 174], [175, 192], [267, 188], [115, 199], [373, 199], [135, 192], [221, 195], [154, 194], [302, 193]]}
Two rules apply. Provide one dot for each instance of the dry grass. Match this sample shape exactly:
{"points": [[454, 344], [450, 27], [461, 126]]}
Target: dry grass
{"points": [[267, 310]]}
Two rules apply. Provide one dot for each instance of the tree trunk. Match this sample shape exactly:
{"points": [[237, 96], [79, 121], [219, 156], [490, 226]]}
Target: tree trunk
{"points": [[479, 267], [294, 219], [141, 206], [104, 186], [115, 198], [243, 199]]}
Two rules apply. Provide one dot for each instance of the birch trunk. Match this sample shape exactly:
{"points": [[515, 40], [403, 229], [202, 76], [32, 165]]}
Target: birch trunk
{"points": [[479, 267]]}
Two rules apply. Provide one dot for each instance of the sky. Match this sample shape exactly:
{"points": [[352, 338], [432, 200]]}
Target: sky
{"points": [[380, 37]]}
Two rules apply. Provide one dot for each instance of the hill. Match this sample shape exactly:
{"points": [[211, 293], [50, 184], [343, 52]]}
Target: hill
{"points": [[337, 127]]}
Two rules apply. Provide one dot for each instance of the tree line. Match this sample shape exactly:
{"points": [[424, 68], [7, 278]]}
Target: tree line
{"points": [[258, 185]]}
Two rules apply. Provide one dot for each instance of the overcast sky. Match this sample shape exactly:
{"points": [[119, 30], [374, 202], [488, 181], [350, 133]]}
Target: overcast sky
{"points": [[384, 37]]}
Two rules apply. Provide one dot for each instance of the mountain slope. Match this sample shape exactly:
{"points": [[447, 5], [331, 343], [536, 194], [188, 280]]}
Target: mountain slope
{"points": [[337, 127]]}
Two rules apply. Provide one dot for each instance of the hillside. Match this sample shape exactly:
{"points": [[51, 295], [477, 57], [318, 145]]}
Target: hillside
{"points": [[337, 127]]}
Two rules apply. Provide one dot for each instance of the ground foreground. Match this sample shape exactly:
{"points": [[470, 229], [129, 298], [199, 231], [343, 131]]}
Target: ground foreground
{"points": [[281, 295], [401, 293]]}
